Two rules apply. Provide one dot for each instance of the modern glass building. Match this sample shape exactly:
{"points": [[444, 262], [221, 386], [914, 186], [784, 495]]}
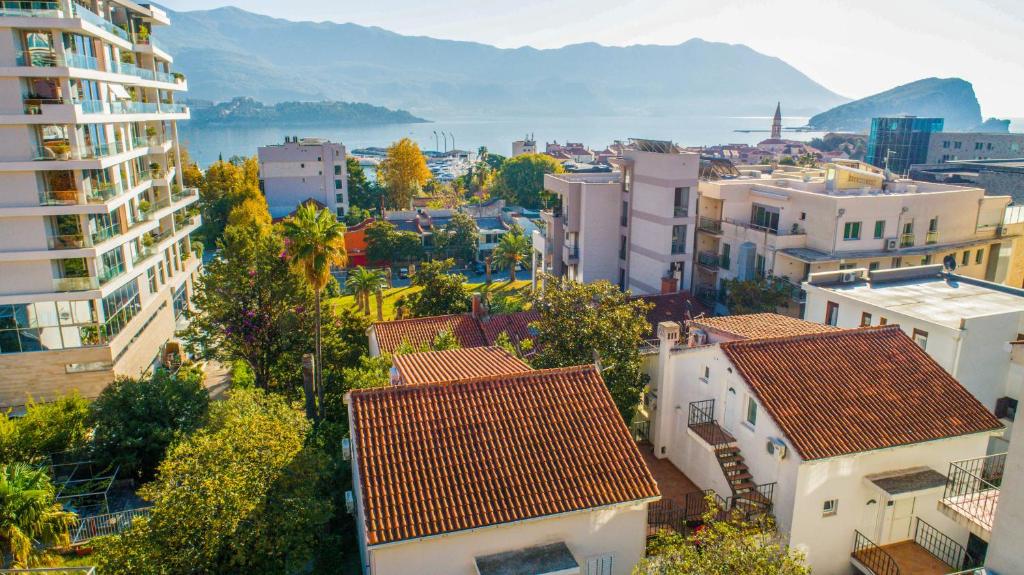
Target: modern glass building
{"points": [[897, 143]]}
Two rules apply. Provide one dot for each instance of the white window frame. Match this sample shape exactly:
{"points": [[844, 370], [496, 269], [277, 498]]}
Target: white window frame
{"points": [[830, 508]]}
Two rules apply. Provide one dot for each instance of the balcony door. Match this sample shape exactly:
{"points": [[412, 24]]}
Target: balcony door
{"points": [[902, 519], [729, 414]]}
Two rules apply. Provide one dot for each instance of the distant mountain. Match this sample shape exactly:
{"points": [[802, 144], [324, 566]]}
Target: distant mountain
{"points": [[244, 111], [950, 98], [227, 52]]}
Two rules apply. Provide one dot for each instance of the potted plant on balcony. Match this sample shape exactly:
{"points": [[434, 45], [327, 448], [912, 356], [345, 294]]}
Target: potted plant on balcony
{"points": [[155, 169], [61, 150], [143, 34], [178, 77], [150, 132], [90, 334], [148, 240], [145, 207]]}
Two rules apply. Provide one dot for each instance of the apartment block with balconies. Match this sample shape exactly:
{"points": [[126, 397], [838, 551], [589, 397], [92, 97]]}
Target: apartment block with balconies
{"points": [[632, 227], [95, 255], [789, 224]]}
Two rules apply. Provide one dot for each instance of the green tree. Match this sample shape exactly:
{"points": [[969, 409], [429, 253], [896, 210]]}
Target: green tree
{"points": [[316, 243], [753, 296], [362, 283], [722, 547], [577, 320], [224, 186], [361, 192], [403, 172], [246, 493], [46, 428], [356, 216], [252, 307], [442, 293], [135, 420], [385, 244], [512, 250], [459, 238], [29, 516], [521, 179]]}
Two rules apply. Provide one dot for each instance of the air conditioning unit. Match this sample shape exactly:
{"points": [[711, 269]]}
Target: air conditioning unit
{"points": [[776, 447], [697, 337], [848, 277], [891, 244], [350, 502], [346, 449]]}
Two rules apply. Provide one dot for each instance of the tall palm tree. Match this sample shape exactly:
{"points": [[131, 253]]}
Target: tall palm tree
{"points": [[29, 513], [363, 283], [316, 243], [511, 251]]}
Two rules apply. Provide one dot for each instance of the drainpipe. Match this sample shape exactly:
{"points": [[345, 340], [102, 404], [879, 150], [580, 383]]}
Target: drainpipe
{"points": [[959, 345], [835, 231]]}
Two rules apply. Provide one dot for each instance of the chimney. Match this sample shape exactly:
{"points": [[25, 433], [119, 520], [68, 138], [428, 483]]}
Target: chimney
{"points": [[662, 388], [669, 284], [478, 306]]}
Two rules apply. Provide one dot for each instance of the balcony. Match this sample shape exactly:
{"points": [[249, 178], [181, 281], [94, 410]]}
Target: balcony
{"points": [[710, 226], [706, 294], [68, 242], [708, 260], [75, 284], [111, 273], [907, 241], [972, 493], [680, 211], [932, 238], [60, 197], [930, 552], [571, 254], [30, 9], [99, 22], [34, 105]]}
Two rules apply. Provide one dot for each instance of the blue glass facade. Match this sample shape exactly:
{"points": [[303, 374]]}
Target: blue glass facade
{"points": [[902, 141]]}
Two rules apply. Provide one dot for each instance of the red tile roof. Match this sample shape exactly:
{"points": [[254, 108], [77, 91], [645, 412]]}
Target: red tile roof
{"points": [[438, 366], [422, 331], [516, 325], [761, 325], [856, 390], [450, 456]]}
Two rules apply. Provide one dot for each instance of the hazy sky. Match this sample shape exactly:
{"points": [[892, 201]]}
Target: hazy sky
{"points": [[853, 47]]}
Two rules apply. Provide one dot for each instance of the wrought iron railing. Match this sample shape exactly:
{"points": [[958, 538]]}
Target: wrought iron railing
{"points": [[701, 412], [873, 557], [710, 225], [932, 238], [943, 547], [972, 487], [907, 240], [708, 259]]}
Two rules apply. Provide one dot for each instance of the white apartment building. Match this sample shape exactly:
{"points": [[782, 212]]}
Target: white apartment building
{"points": [[1004, 545], [790, 224], [846, 436], [965, 324], [95, 256], [632, 227], [303, 169]]}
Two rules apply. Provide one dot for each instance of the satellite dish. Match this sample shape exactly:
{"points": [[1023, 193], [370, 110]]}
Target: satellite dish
{"points": [[949, 263]]}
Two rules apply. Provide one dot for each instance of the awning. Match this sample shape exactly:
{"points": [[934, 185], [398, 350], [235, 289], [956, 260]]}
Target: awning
{"points": [[908, 480], [553, 559], [119, 92]]}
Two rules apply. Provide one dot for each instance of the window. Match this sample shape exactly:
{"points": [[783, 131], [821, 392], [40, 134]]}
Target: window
{"points": [[803, 216], [831, 313], [896, 262], [979, 256], [337, 169], [879, 229], [883, 321], [337, 184], [624, 216], [966, 258], [921, 338], [151, 278], [751, 412], [764, 217], [759, 265], [957, 145], [926, 260], [865, 319], [679, 239], [945, 143], [707, 374], [873, 266], [978, 145], [830, 508], [302, 165], [682, 202], [724, 261], [622, 279], [851, 231], [622, 247]]}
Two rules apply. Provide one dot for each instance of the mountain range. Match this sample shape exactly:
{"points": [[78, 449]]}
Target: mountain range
{"points": [[228, 52]]}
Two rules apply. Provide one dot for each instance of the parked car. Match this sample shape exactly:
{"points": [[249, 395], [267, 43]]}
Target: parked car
{"points": [[479, 268]]}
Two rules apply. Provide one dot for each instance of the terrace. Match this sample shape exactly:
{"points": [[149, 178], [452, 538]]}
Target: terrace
{"points": [[972, 489], [930, 552]]}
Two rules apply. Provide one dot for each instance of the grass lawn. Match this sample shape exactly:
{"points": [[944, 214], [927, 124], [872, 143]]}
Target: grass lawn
{"points": [[519, 288]]}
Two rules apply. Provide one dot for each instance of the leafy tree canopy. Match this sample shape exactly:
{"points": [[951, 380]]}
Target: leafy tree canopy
{"points": [[753, 296], [521, 179], [403, 172], [443, 293], [385, 244], [459, 238], [30, 515], [46, 428]]}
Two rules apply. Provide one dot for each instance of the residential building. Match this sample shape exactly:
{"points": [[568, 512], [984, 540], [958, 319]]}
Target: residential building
{"points": [[632, 227], [490, 221], [1003, 550], [996, 177], [355, 243], [302, 169], [792, 223], [953, 146], [95, 256], [843, 435], [494, 512], [898, 142], [527, 145], [965, 324]]}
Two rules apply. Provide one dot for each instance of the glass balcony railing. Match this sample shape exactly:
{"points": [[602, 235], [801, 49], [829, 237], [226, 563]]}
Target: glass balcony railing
{"points": [[180, 195], [68, 242], [73, 60], [37, 58], [145, 252], [99, 22], [32, 9], [102, 191], [91, 106], [75, 284], [34, 106], [169, 108], [105, 234], [63, 151], [60, 197]]}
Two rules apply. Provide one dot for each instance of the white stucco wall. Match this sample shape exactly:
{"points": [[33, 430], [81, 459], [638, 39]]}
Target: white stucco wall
{"points": [[1004, 550], [620, 531]]}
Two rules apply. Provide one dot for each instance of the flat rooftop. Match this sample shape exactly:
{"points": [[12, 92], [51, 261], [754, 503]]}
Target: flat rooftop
{"points": [[941, 300]]}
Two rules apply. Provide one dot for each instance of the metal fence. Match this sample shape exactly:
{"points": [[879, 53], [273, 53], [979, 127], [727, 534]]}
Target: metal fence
{"points": [[106, 524], [873, 557], [972, 487], [943, 547]]}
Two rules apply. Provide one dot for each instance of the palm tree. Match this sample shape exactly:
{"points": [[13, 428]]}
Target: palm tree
{"points": [[512, 250], [363, 282], [29, 514], [316, 244]]}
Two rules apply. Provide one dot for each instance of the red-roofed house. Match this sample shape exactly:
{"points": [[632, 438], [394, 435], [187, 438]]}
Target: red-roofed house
{"points": [[847, 434], [532, 472]]}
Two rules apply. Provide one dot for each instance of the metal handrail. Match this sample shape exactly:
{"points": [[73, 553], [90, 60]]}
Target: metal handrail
{"points": [[107, 524], [969, 487], [942, 547], [876, 559]]}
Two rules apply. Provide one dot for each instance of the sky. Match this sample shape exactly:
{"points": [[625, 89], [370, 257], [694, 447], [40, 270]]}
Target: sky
{"points": [[853, 47]]}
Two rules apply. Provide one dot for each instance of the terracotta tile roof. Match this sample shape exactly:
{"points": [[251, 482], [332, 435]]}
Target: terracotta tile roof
{"points": [[671, 307], [856, 390], [438, 366], [516, 325], [422, 331], [450, 456], [761, 325]]}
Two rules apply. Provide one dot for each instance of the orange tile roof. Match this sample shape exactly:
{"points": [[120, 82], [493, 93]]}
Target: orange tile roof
{"points": [[856, 390], [466, 363], [516, 325], [458, 455], [761, 325], [422, 331]]}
